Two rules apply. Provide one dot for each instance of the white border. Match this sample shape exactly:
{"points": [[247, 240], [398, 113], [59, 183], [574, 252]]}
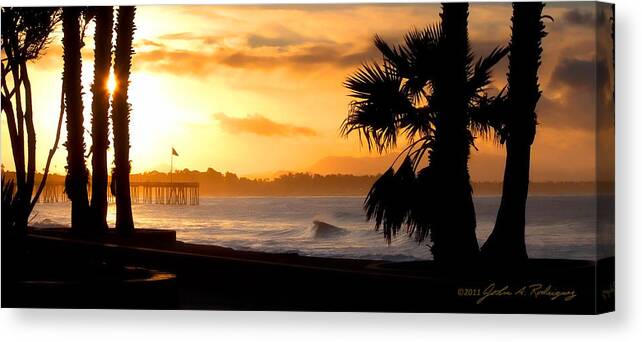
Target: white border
{"points": [[624, 325]]}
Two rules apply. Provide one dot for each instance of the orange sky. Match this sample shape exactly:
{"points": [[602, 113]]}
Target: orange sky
{"points": [[258, 89]]}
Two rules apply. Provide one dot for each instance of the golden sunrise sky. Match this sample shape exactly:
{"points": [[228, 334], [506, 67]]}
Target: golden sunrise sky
{"points": [[258, 89]]}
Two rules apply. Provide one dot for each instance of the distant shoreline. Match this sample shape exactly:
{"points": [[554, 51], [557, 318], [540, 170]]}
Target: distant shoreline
{"points": [[214, 183]]}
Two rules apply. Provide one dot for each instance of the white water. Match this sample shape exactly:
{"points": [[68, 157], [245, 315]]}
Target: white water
{"points": [[557, 226]]}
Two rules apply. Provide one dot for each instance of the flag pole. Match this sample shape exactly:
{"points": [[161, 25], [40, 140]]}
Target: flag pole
{"points": [[171, 167]]}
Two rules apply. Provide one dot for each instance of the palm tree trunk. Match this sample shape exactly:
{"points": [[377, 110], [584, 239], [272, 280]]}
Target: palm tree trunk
{"points": [[507, 241], [454, 238], [76, 180], [100, 109], [120, 118]]}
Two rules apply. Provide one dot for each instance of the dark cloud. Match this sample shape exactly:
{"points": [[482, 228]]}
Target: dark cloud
{"points": [[573, 111], [260, 125], [583, 18], [577, 17], [575, 73], [579, 96]]}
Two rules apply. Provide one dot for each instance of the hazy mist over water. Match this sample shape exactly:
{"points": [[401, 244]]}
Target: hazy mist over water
{"points": [[557, 226]]}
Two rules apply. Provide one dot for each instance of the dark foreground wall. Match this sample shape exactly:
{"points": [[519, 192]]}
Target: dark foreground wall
{"points": [[61, 271]]}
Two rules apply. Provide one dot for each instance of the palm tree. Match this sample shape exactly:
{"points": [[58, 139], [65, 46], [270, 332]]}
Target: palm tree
{"points": [[507, 241], [76, 180], [100, 108], [120, 118], [429, 91]]}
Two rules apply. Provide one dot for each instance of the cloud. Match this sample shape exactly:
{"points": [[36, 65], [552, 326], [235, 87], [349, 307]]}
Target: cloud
{"points": [[202, 62], [571, 99], [260, 125], [589, 17], [204, 39], [274, 46], [148, 43], [575, 73], [577, 17], [257, 40], [571, 112], [280, 36], [173, 61]]}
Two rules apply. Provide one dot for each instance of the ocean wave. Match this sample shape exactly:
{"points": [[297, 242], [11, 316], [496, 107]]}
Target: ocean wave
{"points": [[324, 230]]}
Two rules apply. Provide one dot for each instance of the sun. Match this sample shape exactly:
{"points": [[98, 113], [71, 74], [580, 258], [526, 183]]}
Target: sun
{"points": [[111, 83]]}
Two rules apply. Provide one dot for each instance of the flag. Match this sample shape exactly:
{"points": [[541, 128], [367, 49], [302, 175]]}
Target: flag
{"points": [[174, 153]]}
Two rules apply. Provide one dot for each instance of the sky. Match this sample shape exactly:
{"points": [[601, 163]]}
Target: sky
{"points": [[257, 89]]}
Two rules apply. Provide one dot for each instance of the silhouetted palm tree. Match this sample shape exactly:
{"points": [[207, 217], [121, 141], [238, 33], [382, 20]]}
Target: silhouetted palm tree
{"points": [[76, 180], [120, 118], [100, 111], [507, 241], [429, 91]]}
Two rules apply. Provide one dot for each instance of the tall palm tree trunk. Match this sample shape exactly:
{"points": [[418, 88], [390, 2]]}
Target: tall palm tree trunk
{"points": [[454, 236], [120, 118], [507, 241], [76, 180], [100, 109]]}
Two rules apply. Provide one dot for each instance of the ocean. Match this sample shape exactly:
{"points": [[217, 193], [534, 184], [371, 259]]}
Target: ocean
{"points": [[557, 226]]}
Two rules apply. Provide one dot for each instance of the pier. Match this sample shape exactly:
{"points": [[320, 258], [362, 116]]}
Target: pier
{"points": [[174, 193], [168, 193]]}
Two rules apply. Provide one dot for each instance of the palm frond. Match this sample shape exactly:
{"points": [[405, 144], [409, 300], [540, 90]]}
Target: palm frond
{"points": [[379, 103], [422, 207], [488, 116], [481, 74], [394, 55], [388, 201], [419, 123], [422, 51]]}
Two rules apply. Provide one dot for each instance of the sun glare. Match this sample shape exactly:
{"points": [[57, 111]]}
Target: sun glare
{"points": [[111, 83]]}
